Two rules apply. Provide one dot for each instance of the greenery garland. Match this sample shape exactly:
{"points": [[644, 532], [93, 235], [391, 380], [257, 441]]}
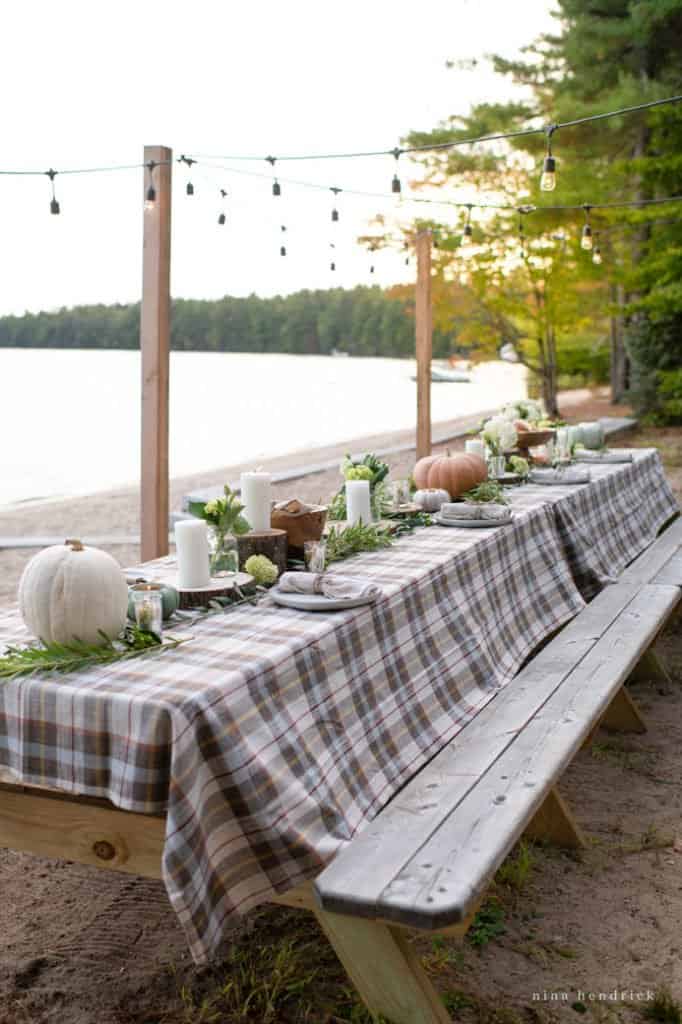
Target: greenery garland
{"points": [[76, 655]]}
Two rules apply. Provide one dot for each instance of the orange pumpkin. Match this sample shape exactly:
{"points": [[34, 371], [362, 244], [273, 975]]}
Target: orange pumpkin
{"points": [[453, 473]]}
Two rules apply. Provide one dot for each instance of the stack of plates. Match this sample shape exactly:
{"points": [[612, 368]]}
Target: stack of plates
{"points": [[474, 524]]}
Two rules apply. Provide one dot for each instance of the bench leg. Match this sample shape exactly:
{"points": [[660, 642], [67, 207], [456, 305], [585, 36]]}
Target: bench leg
{"points": [[555, 823], [384, 969], [650, 669], [622, 714]]}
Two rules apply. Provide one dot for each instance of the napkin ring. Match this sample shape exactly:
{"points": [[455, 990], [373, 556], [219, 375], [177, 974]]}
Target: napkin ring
{"points": [[317, 584]]}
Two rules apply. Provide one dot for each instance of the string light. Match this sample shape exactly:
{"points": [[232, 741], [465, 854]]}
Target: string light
{"points": [[434, 147], [396, 187], [335, 212], [586, 238], [548, 176], [467, 233], [222, 218], [150, 196], [596, 255], [189, 188], [54, 205], [282, 250]]}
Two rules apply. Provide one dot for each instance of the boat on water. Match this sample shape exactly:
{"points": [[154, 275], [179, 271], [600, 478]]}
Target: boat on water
{"points": [[441, 376]]}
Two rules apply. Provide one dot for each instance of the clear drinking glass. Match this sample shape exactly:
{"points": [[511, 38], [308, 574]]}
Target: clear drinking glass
{"points": [[315, 554], [148, 606], [563, 447]]}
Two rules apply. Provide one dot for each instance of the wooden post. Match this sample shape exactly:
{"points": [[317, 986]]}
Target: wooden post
{"points": [[155, 347], [423, 330]]}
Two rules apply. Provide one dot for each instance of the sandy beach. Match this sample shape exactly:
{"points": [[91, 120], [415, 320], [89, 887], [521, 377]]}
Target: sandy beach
{"points": [[115, 514]]}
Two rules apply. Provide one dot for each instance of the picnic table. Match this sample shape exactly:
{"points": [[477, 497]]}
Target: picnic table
{"points": [[256, 751]]}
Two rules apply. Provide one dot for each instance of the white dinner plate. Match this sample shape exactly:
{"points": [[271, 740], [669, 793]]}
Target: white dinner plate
{"points": [[317, 602], [474, 524]]}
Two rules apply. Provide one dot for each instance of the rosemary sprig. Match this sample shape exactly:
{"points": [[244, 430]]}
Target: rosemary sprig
{"points": [[76, 655], [489, 490], [353, 539]]}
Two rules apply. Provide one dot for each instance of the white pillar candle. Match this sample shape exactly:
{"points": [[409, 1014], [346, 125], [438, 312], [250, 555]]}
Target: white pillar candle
{"points": [[257, 499], [191, 543], [357, 502], [475, 447]]}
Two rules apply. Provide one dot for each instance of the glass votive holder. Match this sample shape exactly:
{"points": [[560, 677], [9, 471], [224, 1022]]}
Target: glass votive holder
{"points": [[148, 606], [400, 493], [315, 554]]}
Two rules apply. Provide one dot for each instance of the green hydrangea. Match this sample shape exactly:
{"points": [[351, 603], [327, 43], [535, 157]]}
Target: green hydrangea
{"points": [[519, 466], [262, 569], [358, 473]]}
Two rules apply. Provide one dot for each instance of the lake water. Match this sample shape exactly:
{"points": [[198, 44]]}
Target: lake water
{"points": [[70, 419]]}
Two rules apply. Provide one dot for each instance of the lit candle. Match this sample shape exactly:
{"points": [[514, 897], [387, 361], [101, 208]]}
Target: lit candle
{"points": [[357, 502], [475, 447], [257, 499], [191, 543]]}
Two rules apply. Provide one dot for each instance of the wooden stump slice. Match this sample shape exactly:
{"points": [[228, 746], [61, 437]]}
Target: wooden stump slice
{"points": [[271, 543]]}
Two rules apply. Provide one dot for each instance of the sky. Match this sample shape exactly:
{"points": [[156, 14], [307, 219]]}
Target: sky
{"points": [[88, 85]]}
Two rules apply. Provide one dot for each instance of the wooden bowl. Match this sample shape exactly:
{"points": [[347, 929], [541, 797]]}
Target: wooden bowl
{"points": [[300, 526], [526, 439]]}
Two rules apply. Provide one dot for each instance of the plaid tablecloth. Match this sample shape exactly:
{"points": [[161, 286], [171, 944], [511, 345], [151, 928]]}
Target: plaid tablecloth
{"points": [[273, 735], [605, 524]]}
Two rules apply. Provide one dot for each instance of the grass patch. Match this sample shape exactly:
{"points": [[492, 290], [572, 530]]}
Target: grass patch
{"points": [[488, 924], [442, 955], [517, 869], [664, 1008], [282, 971]]}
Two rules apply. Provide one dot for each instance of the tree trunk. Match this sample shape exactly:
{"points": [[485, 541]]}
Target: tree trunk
{"points": [[549, 375], [619, 357]]}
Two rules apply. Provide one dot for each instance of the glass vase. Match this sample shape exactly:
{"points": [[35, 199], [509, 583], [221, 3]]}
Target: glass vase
{"points": [[496, 464], [223, 551]]}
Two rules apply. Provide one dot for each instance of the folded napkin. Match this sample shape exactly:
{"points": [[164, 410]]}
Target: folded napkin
{"points": [[559, 476], [341, 588], [585, 455], [473, 510]]}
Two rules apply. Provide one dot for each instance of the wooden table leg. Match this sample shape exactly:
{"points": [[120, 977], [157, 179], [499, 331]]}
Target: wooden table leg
{"points": [[385, 969]]}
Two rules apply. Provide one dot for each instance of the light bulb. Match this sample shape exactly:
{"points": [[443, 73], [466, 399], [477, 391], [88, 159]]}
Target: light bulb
{"points": [[586, 240], [395, 185], [596, 256], [222, 218], [54, 207], [467, 235], [548, 177]]}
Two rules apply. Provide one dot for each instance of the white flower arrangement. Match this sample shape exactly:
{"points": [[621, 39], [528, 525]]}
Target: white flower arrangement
{"points": [[524, 409], [499, 434]]}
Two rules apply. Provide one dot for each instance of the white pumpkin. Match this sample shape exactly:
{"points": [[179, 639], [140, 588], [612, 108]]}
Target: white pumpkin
{"points": [[430, 499], [70, 591]]}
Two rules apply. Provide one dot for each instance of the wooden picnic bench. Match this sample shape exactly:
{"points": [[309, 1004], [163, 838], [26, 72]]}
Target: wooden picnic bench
{"points": [[426, 860]]}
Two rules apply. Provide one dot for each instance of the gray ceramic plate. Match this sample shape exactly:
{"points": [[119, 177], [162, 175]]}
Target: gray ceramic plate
{"points": [[316, 602], [474, 524]]}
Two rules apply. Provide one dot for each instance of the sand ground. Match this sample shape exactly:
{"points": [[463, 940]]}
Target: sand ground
{"points": [[82, 946]]}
